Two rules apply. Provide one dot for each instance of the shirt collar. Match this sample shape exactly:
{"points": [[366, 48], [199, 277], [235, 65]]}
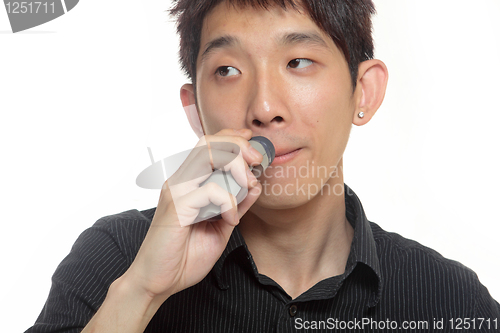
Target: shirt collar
{"points": [[363, 246]]}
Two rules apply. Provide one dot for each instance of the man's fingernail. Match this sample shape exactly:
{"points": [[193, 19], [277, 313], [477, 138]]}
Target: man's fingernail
{"points": [[254, 152]]}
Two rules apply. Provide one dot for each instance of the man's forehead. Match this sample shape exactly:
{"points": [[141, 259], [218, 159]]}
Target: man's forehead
{"points": [[240, 11], [246, 29], [289, 26]]}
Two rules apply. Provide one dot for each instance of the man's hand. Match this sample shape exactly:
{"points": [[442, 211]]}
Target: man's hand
{"points": [[172, 257]]}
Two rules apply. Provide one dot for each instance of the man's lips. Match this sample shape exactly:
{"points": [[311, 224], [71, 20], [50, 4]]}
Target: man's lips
{"points": [[285, 155], [282, 152]]}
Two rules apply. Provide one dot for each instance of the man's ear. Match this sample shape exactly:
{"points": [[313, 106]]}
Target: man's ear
{"points": [[370, 89], [188, 102]]}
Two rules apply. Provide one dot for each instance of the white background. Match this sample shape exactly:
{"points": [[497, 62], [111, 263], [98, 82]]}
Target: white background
{"points": [[83, 96]]}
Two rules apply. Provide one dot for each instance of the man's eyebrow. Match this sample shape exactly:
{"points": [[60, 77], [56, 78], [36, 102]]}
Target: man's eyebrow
{"points": [[302, 37], [227, 41], [219, 43]]}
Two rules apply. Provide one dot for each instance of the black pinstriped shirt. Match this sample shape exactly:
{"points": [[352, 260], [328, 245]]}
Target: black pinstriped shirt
{"points": [[390, 284]]}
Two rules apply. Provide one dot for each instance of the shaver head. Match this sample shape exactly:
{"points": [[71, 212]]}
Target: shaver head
{"points": [[266, 148]]}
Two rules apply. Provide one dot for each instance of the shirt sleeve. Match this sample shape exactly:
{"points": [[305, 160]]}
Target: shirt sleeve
{"points": [[81, 281]]}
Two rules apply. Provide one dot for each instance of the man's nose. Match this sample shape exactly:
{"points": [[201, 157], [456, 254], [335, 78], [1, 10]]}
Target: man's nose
{"points": [[267, 106]]}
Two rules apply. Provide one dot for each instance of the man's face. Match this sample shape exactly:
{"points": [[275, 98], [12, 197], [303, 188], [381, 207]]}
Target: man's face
{"points": [[277, 73]]}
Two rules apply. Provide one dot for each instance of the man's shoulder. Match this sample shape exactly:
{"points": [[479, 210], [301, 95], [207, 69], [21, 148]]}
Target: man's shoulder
{"points": [[126, 230], [426, 279], [125, 219], [403, 251]]}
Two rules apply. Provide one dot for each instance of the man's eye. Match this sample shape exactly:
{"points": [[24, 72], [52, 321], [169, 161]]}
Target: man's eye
{"points": [[299, 63], [227, 71]]}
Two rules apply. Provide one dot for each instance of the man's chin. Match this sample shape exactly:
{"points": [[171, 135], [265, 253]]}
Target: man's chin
{"points": [[279, 202]]}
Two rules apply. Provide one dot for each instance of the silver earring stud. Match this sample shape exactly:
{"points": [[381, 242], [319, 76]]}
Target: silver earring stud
{"points": [[361, 114]]}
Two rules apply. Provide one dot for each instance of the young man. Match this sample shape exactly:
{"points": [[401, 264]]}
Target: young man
{"points": [[298, 253]]}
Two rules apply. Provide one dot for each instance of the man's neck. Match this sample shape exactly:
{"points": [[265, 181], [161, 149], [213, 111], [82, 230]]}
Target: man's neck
{"points": [[301, 246]]}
